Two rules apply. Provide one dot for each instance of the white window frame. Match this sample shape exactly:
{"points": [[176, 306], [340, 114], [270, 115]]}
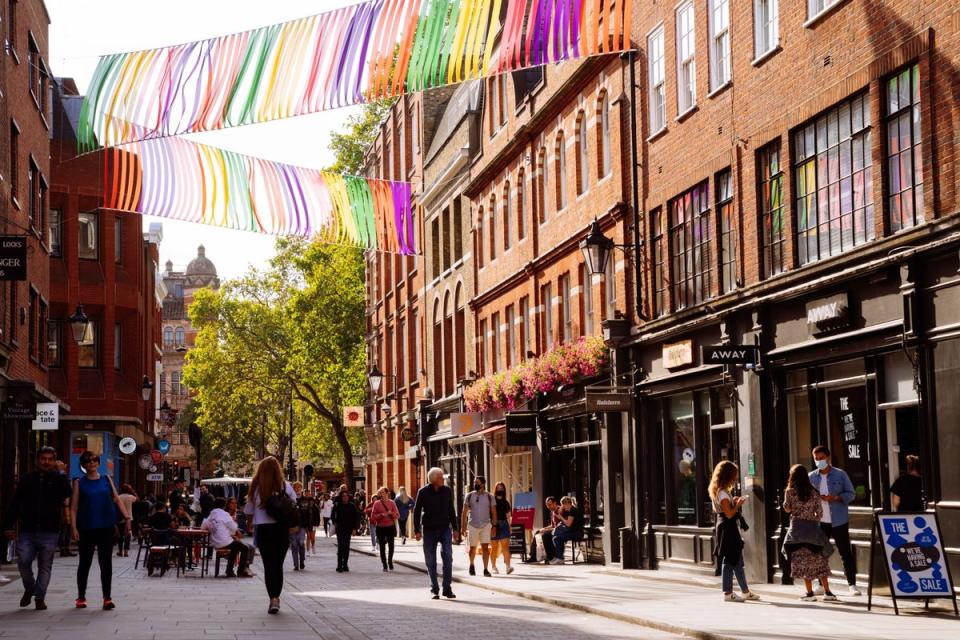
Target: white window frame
{"points": [[817, 7], [719, 23], [605, 137], [686, 22], [656, 74], [766, 27]]}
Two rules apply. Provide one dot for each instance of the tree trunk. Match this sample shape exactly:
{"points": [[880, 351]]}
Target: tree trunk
{"points": [[341, 434]]}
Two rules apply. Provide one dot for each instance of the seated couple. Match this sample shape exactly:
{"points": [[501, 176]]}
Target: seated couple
{"points": [[566, 525], [225, 535]]}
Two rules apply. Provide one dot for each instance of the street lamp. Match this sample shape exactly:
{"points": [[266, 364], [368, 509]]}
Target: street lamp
{"points": [[79, 323], [146, 388], [375, 377], [596, 249]]}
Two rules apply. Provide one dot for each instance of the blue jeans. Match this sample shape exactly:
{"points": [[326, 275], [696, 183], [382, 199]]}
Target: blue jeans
{"points": [[727, 571], [42, 546], [297, 547], [561, 535], [431, 538]]}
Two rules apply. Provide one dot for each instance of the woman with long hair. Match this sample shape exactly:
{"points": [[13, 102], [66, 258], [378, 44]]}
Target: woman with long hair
{"points": [[404, 506], [500, 540], [729, 548], [130, 499], [93, 512], [272, 537], [805, 543], [383, 519]]}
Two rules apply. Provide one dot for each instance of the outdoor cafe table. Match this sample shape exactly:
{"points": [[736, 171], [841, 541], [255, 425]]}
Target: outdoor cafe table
{"points": [[195, 540]]}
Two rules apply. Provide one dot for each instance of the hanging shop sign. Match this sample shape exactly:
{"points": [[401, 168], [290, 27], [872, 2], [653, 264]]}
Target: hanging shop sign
{"points": [[600, 401], [19, 410], [164, 446], [729, 354], [13, 258], [156, 457], [828, 314], [154, 477], [407, 434], [353, 416], [463, 424], [145, 462], [48, 417], [913, 554], [521, 429], [127, 446], [678, 354]]}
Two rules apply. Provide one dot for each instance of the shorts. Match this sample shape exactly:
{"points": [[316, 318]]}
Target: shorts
{"points": [[503, 531], [478, 535]]}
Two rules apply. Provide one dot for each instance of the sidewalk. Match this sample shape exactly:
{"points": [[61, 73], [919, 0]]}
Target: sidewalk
{"points": [[675, 604]]}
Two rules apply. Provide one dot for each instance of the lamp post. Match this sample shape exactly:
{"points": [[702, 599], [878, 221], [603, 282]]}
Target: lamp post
{"points": [[79, 324]]}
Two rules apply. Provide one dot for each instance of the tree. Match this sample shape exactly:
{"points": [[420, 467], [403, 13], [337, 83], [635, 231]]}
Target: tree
{"points": [[291, 331], [350, 146]]}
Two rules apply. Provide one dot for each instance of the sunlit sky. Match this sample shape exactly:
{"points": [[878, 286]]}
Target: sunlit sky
{"points": [[82, 30]]}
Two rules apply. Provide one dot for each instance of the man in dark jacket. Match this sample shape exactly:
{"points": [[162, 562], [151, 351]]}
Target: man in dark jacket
{"points": [[37, 505], [346, 520], [435, 521]]}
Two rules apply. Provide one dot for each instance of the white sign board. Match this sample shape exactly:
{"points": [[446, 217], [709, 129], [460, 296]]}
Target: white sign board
{"points": [[154, 477], [48, 417], [463, 424], [913, 550]]}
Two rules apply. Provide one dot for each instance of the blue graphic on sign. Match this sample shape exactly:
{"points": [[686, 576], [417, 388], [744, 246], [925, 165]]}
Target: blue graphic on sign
{"points": [[914, 552], [163, 446]]}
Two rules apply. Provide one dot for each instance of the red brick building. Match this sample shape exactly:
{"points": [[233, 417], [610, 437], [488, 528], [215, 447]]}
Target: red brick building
{"points": [[25, 305], [799, 196], [103, 261]]}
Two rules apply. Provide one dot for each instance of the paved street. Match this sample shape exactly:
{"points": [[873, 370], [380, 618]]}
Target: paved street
{"points": [[318, 603]]}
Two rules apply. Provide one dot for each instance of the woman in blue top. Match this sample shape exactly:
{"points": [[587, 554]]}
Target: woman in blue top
{"points": [[93, 511], [404, 505]]}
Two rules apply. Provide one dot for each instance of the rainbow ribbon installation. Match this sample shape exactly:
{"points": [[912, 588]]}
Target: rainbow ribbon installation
{"points": [[369, 51], [183, 180]]}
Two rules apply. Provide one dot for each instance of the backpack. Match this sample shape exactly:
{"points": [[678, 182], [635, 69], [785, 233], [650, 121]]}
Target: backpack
{"points": [[283, 509]]}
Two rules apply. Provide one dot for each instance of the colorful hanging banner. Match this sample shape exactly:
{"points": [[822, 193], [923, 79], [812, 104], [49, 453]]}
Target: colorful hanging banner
{"points": [[183, 180], [369, 51]]}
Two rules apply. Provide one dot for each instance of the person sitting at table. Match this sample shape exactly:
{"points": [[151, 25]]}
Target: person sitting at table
{"points": [[570, 528], [224, 535], [160, 523], [182, 516]]}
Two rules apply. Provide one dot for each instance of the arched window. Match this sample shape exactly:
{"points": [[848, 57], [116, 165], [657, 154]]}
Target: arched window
{"points": [[479, 228], [492, 220], [507, 224], [561, 172], [603, 136], [583, 156], [437, 349], [168, 336], [460, 331], [180, 337], [541, 186], [448, 346], [521, 205]]}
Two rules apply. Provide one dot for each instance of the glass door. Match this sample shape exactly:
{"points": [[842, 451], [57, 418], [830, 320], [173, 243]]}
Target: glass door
{"points": [[848, 431]]}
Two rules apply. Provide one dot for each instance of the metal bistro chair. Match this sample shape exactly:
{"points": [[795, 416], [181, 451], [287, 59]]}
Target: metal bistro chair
{"points": [[143, 542]]}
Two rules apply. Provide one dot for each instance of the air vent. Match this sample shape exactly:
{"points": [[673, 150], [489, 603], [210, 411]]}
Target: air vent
{"points": [[827, 60], [720, 130]]}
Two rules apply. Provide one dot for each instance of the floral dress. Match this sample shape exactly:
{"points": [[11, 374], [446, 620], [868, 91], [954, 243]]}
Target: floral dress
{"points": [[806, 563]]}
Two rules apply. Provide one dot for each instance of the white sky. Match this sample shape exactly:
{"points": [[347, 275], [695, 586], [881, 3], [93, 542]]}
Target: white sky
{"points": [[82, 30]]}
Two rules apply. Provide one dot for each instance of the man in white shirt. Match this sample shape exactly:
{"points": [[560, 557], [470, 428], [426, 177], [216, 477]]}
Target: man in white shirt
{"points": [[224, 534]]}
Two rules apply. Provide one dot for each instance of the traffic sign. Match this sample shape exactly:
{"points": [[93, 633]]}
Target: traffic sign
{"points": [[164, 446], [156, 457], [145, 461], [128, 446]]}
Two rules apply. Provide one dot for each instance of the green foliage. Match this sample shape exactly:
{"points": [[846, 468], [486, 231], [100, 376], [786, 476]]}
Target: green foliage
{"points": [[290, 332], [350, 146]]}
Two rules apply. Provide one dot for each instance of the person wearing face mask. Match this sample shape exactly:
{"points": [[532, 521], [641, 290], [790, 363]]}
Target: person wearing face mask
{"points": [[500, 541], [477, 522], [836, 493]]}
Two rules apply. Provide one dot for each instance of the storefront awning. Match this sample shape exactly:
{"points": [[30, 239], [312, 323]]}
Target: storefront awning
{"points": [[437, 437], [474, 437]]}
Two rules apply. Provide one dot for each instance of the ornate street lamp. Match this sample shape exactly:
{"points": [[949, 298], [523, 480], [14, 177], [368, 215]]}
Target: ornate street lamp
{"points": [[79, 323], [596, 249], [146, 388], [375, 377]]}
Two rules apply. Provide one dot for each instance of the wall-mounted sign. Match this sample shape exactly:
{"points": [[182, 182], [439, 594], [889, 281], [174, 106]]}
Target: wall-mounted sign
{"points": [[19, 410], [156, 457], [48, 417], [521, 429], [412, 452], [729, 354], [154, 477], [164, 446], [127, 446], [13, 258], [353, 416], [145, 462], [407, 434], [678, 354], [463, 424], [608, 402], [827, 314]]}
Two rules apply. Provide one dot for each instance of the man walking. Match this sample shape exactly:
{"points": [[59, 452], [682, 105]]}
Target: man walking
{"points": [[434, 521], [836, 493], [477, 520], [38, 506]]}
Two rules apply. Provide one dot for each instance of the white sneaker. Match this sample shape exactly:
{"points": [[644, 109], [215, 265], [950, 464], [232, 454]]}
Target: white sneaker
{"points": [[808, 597], [495, 570], [732, 597], [556, 561], [818, 591], [5, 580], [853, 591], [829, 597], [509, 569], [749, 595]]}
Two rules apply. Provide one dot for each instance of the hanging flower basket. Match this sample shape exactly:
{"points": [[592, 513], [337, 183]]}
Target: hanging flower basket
{"points": [[562, 366]]}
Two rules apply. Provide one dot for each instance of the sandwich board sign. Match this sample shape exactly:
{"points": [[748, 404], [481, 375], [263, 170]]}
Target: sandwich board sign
{"points": [[913, 554]]}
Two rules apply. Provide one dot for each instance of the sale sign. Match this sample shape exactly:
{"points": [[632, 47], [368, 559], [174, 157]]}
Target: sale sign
{"points": [[524, 509]]}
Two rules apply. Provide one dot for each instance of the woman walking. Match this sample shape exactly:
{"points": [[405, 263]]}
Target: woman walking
{"points": [[729, 549], [500, 541], [310, 505], [298, 536], [93, 512], [805, 543], [326, 512], [130, 499], [346, 520], [404, 506], [383, 518], [272, 537]]}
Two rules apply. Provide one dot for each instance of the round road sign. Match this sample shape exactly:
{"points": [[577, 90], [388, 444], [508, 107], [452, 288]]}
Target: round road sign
{"points": [[156, 457], [145, 461], [164, 446], [128, 446]]}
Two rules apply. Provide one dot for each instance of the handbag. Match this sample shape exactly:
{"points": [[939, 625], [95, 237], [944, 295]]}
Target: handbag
{"points": [[283, 509]]}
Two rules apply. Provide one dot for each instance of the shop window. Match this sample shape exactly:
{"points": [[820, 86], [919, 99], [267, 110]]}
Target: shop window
{"points": [[682, 468], [901, 413], [904, 152], [659, 263], [576, 465]]}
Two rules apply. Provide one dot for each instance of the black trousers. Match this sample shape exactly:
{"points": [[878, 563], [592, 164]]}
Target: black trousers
{"points": [[343, 547], [238, 548], [841, 536], [101, 541], [548, 547], [273, 541], [385, 536]]}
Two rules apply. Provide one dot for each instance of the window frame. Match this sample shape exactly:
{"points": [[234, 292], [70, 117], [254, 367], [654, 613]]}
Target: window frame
{"points": [[521, 204], [686, 60], [605, 157], [583, 154], [91, 340], [95, 217], [560, 168], [566, 308], [55, 233], [817, 8], [726, 228], [546, 294], [661, 273], [54, 337], [507, 216], [769, 209], [14, 162], [766, 27], [118, 239], [117, 346], [913, 107], [586, 293], [690, 235], [721, 69], [657, 79]]}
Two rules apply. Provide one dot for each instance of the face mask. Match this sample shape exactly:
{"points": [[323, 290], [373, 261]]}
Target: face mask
{"points": [[822, 464], [501, 494], [476, 487]]}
